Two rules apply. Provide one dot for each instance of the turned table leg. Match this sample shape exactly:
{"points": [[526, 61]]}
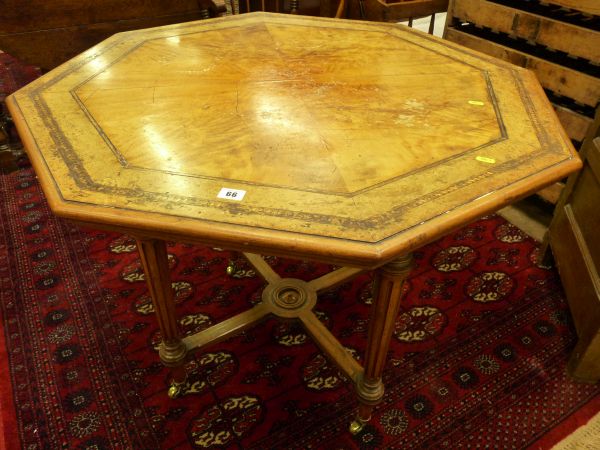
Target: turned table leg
{"points": [[388, 290], [172, 350]]}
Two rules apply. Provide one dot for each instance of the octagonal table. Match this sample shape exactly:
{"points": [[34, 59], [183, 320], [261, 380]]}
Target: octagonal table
{"points": [[341, 141]]}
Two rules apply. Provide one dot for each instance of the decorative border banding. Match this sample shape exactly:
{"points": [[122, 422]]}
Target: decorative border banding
{"points": [[84, 181]]}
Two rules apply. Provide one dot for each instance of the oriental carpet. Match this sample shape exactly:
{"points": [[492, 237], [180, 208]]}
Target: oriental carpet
{"points": [[477, 359]]}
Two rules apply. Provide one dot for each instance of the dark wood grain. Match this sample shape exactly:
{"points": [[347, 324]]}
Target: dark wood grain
{"points": [[575, 242], [387, 11], [48, 33], [17, 16]]}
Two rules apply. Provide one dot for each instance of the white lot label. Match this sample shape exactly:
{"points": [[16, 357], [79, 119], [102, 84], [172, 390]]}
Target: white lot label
{"points": [[231, 194]]}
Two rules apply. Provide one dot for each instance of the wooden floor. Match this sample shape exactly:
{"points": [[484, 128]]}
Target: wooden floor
{"points": [[532, 215]]}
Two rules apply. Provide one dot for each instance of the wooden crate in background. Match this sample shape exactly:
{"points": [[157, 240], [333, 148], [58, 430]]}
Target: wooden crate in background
{"points": [[559, 40]]}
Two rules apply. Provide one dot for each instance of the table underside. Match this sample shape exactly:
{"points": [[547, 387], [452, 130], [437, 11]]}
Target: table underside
{"points": [[288, 299]]}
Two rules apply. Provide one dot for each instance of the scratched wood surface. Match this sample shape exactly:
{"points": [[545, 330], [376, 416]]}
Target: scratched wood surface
{"points": [[353, 142]]}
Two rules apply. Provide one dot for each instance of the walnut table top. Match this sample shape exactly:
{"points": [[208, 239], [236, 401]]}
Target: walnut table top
{"points": [[343, 141]]}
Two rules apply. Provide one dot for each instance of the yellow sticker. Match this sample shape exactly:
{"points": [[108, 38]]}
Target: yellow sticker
{"points": [[476, 103], [485, 159]]}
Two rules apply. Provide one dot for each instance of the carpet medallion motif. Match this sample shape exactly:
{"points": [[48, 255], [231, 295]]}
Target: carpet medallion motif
{"points": [[477, 358]]}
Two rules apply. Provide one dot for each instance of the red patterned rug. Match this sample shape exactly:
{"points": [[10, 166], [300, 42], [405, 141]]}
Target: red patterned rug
{"points": [[13, 75], [477, 360]]}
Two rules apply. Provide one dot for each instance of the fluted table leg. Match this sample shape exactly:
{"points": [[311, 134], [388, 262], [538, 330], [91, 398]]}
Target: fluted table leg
{"points": [[172, 350], [388, 290]]}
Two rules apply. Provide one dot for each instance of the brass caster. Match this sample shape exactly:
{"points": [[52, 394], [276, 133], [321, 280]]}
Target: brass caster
{"points": [[356, 426], [230, 269], [175, 389]]}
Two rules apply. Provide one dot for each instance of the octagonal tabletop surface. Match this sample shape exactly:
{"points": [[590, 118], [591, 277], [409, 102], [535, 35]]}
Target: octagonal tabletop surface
{"points": [[339, 140]]}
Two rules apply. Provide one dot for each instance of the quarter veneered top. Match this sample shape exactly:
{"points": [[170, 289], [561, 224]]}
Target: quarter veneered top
{"points": [[364, 139]]}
